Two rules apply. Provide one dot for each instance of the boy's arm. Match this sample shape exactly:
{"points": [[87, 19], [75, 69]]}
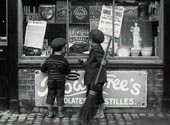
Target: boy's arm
{"points": [[82, 61], [99, 57], [98, 54], [43, 67], [67, 69]]}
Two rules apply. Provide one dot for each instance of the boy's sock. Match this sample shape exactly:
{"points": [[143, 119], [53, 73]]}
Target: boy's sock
{"points": [[60, 112], [50, 111], [100, 111]]}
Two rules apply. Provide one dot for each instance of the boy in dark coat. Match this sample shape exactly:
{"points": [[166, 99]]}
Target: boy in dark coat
{"points": [[57, 67], [92, 66]]}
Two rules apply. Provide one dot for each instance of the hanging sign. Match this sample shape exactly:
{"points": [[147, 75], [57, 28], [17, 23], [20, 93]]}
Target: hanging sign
{"points": [[123, 89]]}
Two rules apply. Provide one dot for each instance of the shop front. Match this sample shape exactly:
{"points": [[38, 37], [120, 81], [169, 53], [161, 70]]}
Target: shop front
{"points": [[135, 56]]}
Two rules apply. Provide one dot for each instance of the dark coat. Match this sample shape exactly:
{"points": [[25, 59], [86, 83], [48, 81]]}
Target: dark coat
{"points": [[92, 66]]}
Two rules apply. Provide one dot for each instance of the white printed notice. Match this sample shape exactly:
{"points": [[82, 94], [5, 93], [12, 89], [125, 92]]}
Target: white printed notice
{"points": [[105, 23], [35, 32], [106, 18], [119, 12]]}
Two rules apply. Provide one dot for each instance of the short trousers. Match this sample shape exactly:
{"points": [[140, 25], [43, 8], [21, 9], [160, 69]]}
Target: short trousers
{"points": [[55, 91]]}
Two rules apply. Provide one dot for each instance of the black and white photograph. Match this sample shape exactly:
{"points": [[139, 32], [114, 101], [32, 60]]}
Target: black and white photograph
{"points": [[84, 62]]}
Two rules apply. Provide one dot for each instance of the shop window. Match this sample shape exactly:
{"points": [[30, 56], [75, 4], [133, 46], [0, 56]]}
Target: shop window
{"points": [[85, 16], [137, 35]]}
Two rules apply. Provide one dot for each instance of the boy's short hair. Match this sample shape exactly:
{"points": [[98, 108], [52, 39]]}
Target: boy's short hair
{"points": [[58, 43], [97, 36]]}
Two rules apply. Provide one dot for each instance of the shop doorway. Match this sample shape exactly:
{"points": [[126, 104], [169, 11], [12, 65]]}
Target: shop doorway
{"points": [[4, 100]]}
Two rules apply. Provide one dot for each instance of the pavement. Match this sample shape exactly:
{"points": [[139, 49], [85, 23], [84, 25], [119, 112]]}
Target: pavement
{"points": [[6, 118]]}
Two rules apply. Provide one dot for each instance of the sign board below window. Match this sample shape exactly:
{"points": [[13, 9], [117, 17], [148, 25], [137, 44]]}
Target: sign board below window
{"points": [[123, 89]]}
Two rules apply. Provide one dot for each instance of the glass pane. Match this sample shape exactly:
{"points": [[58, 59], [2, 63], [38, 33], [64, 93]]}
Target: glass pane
{"points": [[139, 31], [84, 16], [136, 26], [49, 19]]}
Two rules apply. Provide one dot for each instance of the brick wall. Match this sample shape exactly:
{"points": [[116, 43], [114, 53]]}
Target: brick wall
{"points": [[154, 91], [26, 89]]}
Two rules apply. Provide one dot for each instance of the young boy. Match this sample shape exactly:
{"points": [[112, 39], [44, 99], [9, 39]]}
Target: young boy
{"points": [[92, 66], [57, 67]]}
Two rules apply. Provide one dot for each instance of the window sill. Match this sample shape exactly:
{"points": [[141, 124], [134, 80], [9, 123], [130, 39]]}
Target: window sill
{"points": [[35, 61]]}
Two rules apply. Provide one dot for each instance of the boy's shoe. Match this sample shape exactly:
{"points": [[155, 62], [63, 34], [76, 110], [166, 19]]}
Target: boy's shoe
{"points": [[60, 112], [61, 115], [50, 111], [50, 114], [101, 115], [100, 111]]}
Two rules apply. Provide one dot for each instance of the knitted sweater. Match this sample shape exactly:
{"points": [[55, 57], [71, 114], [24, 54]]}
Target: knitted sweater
{"points": [[56, 66]]}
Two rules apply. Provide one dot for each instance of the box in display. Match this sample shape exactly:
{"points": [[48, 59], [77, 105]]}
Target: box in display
{"points": [[80, 14], [61, 11], [47, 12], [95, 12]]}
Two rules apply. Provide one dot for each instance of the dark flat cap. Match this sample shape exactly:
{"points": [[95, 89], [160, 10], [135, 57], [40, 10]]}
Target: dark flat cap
{"points": [[97, 36], [58, 43]]}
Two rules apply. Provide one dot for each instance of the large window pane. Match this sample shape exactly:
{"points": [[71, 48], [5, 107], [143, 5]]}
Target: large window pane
{"points": [[137, 34], [139, 31], [85, 16]]}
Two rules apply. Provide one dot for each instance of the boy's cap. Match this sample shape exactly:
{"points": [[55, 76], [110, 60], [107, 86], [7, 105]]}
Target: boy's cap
{"points": [[97, 36], [58, 43]]}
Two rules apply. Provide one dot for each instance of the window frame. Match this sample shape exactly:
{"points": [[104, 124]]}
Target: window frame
{"points": [[112, 60]]}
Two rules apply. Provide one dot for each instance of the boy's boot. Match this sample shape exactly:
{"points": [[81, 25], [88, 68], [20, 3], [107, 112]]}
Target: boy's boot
{"points": [[50, 111], [60, 112], [100, 111]]}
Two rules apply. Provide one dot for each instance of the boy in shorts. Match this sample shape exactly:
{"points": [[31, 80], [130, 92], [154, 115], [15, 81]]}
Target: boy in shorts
{"points": [[57, 67]]}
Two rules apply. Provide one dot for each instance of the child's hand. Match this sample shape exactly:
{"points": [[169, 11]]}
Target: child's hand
{"points": [[41, 64], [103, 62], [81, 61]]}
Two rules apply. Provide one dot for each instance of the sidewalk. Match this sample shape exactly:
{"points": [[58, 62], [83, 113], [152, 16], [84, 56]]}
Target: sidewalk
{"points": [[7, 118]]}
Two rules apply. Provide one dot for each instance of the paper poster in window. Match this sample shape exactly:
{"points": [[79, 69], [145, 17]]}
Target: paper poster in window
{"points": [[106, 20], [35, 32]]}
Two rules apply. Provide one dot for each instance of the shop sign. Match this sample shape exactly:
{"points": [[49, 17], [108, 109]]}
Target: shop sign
{"points": [[123, 89]]}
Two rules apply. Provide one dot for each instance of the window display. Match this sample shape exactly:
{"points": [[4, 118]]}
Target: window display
{"points": [[78, 40], [136, 34]]}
